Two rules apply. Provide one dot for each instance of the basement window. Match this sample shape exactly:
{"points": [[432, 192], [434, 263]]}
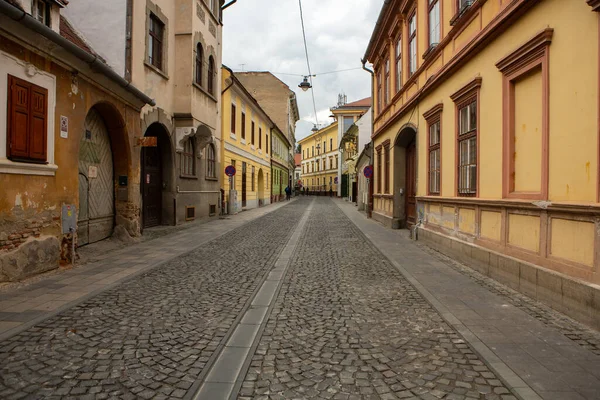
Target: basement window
{"points": [[190, 213]]}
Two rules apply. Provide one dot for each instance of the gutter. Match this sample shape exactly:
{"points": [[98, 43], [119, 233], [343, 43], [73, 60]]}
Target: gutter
{"points": [[371, 183], [93, 61]]}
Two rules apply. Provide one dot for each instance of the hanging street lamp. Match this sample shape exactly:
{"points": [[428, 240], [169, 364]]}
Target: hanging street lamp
{"points": [[305, 84]]}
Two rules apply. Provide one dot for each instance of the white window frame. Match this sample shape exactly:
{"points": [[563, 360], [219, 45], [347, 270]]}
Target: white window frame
{"points": [[23, 70]]}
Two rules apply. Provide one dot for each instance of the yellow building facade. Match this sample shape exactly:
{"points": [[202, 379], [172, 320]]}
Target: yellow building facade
{"points": [[486, 132], [246, 146], [320, 160]]}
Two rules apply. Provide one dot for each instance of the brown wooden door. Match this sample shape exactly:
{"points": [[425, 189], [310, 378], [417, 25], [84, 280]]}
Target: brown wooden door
{"points": [[151, 186], [411, 204], [244, 187]]}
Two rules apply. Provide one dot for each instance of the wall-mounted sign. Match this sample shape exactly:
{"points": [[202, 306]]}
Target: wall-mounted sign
{"points": [[147, 179], [64, 127], [69, 218], [92, 172], [147, 141]]}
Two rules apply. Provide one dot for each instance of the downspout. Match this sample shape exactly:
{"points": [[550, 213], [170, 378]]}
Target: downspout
{"points": [[93, 61], [370, 189]]}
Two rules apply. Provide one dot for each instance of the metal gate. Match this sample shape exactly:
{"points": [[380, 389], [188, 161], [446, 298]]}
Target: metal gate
{"points": [[96, 182]]}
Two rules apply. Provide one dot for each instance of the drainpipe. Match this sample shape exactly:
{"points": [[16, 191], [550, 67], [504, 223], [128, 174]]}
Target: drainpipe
{"points": [[370, 189], [93, 61]]}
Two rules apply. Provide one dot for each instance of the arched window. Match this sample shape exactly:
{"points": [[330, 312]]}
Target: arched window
{"points": [[211, 170], [188, 158], [199, 57], [211, 74]]}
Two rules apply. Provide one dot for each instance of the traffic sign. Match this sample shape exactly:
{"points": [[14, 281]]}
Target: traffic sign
{"points": [[230, 170], [368, 171], [335, 180]]}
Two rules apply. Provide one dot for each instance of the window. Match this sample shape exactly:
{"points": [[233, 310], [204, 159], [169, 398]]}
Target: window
{"points": [[188, 159], [211, 75], [267, 143], [463, 4], [211, 170], [40, 10], [233, 117], [386, 177], [252, 134], [330, 144], [398, 64], [336, 161], [199, 57], [386, 92], [434, 156], [324, 146], [27, 121], [243, 125], [324, 164], [348, 121], [434, 23], [467, 149], [155, 41], [379, 170], [260, 138], [379, 93], [313, 151], [412, 44], [253, 178]]}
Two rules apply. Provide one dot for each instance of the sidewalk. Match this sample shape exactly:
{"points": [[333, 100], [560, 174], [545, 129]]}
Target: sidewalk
{"points": [[25, 306], [536, 359]]}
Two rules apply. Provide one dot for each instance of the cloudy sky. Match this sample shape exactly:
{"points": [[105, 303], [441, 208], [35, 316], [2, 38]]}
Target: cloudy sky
{"points": [[266, 35]]}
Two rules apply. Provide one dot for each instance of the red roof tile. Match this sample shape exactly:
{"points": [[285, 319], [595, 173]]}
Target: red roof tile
{"points": [[68, 32], [366, 102]]}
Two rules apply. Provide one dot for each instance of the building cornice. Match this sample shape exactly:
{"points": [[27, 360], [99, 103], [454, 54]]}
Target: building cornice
{"points": [[595, 4], [243, 153], [528, 51]]}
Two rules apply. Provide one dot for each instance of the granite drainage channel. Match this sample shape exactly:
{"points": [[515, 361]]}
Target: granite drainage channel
{"points": [[224, 378]]}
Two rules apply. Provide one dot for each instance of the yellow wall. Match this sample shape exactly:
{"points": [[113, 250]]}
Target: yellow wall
{"points": [[243, 151], [329, 135], [491, 225], [573, 240], [524, 232]]}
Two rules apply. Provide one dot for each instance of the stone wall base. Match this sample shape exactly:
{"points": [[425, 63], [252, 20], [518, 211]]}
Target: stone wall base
{"points": [[387, 221], [579, 300], [31, 258]]}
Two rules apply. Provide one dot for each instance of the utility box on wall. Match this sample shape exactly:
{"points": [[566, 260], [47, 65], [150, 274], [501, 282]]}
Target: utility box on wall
{"points": [[69, 219]]}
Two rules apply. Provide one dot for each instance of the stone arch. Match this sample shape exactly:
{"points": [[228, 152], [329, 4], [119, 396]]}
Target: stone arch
{"points": [[404, 175]]}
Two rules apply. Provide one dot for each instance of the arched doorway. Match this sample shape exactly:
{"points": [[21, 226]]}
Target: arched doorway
{"points": [[261, 188], [155, 160], [96, 181], [405, 177]]}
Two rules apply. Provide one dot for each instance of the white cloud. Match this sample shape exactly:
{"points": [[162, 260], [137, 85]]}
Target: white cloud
{"points": [[266, 35]]}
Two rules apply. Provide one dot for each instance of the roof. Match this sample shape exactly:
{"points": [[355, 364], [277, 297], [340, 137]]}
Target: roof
{"points": [[68, 32], [298, 159], [366, 102], [15, 3], [320, 131]]}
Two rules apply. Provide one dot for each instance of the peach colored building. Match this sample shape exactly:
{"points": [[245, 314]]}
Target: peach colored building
{"points": [[486, 137]]}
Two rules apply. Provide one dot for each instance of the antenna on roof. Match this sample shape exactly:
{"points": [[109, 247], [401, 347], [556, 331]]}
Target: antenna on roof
{"points": [[242, 67], [342, 100]]}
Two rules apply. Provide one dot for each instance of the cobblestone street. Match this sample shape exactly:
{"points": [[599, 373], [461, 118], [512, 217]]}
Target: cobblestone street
{"points": [[305, 301]]}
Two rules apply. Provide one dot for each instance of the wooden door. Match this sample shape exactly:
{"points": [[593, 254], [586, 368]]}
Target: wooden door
{"points": [[411, 204], [96, 182], [151, 186], [244, 188]]}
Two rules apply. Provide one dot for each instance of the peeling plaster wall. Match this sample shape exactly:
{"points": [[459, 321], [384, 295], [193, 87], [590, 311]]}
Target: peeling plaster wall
{"points": [[30, 205]]}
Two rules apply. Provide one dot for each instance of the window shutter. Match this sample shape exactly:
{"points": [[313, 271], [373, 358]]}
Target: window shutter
{"points": [[18, 117], [39, 124]]}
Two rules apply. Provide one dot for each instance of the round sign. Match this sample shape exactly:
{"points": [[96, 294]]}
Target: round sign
{"points": [[230, 170], [335, 180], [368, 171]]}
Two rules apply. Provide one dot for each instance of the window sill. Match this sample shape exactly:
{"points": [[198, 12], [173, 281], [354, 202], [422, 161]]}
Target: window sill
{"points": [[182, 176], [430, 50], [208, 178], [157, 70], [460, 14], [243, 141], [206, 92], [232, 136], [22, 168]]}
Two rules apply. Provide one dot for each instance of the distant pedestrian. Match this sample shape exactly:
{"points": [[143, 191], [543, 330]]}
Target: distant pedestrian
{"points": [[330, 192], [288, 192]]}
